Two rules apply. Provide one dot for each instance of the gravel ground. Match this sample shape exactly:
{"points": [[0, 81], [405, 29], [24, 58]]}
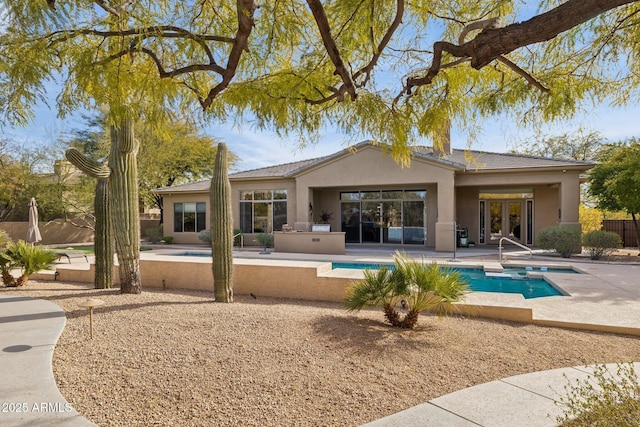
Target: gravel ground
{"points": [[177, 358]]}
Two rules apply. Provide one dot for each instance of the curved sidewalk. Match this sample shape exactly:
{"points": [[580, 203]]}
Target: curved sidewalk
{"points": [[29, 396], [526, 400]]}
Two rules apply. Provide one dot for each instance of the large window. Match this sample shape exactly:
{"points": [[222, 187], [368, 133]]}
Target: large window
{"points": [[384, 216], [260, 208], [189, 217]]}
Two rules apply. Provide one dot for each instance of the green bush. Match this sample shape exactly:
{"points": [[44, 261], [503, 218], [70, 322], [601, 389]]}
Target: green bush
{"points": [[604, 399], [600, 243], [261, 237], [154, 234], [205, 236], [412, 283], [29, 258], [564, 239], [168, 239]]}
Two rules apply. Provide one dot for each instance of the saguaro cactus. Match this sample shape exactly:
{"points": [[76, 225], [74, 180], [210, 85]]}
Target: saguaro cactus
{"points": [[221, 228], [103, 237], [122, 176], [103, 233], [123, 189]]}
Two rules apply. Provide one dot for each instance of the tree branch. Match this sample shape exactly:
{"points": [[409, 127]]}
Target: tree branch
{"points": [[245, 11], [332, 50], [492, 43], [114, 10]]}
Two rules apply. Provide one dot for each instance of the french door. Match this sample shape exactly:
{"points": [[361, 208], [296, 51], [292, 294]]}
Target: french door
{"points": [[505, 220]]}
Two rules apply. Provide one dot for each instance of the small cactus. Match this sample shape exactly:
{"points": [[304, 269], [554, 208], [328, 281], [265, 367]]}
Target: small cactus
{"points": [[221, 228]]}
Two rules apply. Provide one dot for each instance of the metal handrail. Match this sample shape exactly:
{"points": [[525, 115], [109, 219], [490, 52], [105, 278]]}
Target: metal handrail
{"points": [[241, 239], [515, 243]]}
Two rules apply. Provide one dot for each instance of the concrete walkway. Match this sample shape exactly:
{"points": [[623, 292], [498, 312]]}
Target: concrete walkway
{"points": [[526, 400], [29, 396]]}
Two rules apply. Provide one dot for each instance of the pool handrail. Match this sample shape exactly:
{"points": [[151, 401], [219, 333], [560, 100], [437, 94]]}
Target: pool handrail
{"points": [[515, 243], [241, 239]]}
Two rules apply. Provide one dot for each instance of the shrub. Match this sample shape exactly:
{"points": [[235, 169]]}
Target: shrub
{"points": [[261, 238], [417, 286], [27, 257], [168, 239], [154, 234], [600, 243], [564, 239], [603, 399], [205, 236]]}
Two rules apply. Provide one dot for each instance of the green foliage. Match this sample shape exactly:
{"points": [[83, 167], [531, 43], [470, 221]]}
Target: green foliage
{"points": [[564, 239], [416, 285], [603, 399], [615, 180], [4, 239], [261, 237], [29, 258], [205, 236], [599, 243], [166, 58], [168, 239], [154, 234]]}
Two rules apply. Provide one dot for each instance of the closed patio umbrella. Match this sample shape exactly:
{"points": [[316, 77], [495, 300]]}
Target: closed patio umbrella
{"points": [[33, 232]]}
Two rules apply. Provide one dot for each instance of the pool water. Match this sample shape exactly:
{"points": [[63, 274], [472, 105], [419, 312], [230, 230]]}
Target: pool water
{"points": [[514, 281]]}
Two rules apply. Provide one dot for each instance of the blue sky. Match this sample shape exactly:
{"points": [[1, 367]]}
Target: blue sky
{"points": [[257, 149]]}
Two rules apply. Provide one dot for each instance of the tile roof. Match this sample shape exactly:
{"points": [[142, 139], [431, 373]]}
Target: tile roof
{"points": [[466, 160]]}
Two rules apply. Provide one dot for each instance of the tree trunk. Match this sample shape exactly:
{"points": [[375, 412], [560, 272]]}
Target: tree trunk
{"points": [[123, 191], [221, 228], [637, 230]]}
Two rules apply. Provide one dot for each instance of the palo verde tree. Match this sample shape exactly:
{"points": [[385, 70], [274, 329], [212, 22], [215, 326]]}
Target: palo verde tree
{"points": [[390, 70], [615, 181]]}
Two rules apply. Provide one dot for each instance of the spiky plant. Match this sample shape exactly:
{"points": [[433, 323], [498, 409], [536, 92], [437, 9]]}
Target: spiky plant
{"points": [[426, 287], [376, 290], [103, 237], [221, 228], [421, 286], [6, 262], [30, 259], [122, 178]]}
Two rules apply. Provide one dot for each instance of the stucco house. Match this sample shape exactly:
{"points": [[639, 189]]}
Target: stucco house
{"points": [[374, 200]]}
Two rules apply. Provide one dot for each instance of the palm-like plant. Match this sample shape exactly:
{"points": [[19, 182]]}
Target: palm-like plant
{"points": [[30, 259], [421, 287], [377, 289], [6, 262]]}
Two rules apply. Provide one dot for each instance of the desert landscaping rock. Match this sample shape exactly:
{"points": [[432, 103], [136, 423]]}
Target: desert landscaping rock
{"points": [[178, 358]]}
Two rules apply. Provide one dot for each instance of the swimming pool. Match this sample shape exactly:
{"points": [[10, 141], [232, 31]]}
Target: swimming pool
{"points": [[511, 281]]}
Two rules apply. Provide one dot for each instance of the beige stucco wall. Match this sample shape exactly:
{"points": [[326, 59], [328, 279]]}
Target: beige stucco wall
{"points": [[52, 232], [452, 195], [167, 226]]}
